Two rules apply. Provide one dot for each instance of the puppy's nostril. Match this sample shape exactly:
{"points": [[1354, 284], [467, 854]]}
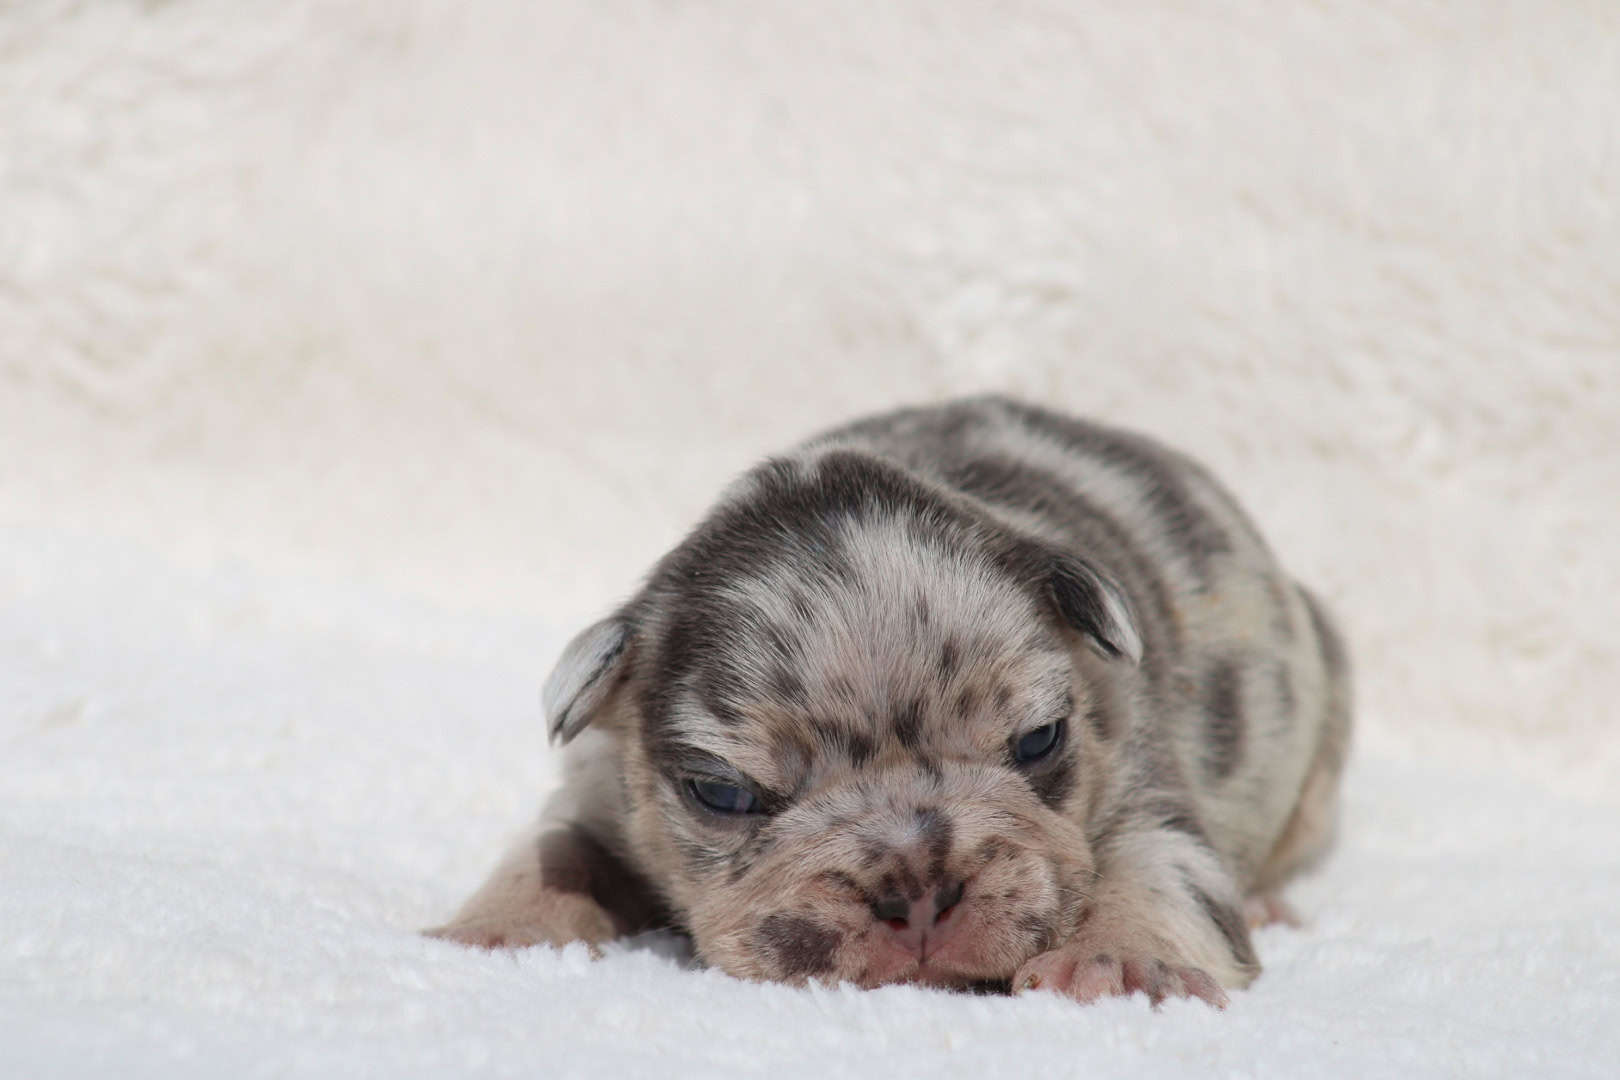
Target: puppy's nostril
{"points": [[946, 899], [893, 910]]}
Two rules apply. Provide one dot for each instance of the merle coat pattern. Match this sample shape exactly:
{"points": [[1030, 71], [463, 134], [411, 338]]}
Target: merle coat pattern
{"points": [[967, 694]]}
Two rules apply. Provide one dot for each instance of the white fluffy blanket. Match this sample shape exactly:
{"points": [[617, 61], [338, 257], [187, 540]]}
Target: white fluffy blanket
{"points": [[351, 356]]}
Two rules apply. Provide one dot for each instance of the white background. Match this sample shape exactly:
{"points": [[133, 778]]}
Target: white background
{"points": [[352, 356]]}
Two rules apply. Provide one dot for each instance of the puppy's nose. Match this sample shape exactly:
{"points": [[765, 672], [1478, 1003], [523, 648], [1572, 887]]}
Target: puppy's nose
{"points": [[917, 923]]}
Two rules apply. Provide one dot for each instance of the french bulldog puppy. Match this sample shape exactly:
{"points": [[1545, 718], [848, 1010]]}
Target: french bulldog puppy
{"points": [[961, 695]]}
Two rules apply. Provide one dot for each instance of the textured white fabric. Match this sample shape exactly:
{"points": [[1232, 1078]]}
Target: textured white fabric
{"points": [[353, 357]]}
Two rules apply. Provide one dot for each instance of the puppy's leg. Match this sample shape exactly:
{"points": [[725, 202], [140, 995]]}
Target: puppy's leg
{"points": [[557, 885], [1164, 917], [1309, 831]]}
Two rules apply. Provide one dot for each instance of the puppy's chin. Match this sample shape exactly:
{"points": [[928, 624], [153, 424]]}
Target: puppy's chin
{"points": [[949, 969]]}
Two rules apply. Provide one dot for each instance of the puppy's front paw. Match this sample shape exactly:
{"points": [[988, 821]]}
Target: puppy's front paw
{"points": [[1078, 970], [559, 920]]}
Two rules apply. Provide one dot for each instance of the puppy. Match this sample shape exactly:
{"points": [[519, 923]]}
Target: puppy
{"points": [[973, 694]]}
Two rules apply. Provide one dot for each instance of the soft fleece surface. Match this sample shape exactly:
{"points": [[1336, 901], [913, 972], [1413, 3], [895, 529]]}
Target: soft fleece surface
{"points": [[351, 358]]}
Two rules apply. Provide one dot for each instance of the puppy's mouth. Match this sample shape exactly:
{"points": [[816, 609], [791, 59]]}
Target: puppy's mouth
{"points": [[945, 979], [981, 952], [935, 975], [964, 985]]}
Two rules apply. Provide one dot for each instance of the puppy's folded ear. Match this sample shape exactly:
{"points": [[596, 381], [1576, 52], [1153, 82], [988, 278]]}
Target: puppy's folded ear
{"points": [[1091, 602], [592, 665]]}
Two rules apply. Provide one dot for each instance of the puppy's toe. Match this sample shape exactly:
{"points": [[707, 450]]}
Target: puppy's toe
{"points": [[1086, 976], [1270, 909]]}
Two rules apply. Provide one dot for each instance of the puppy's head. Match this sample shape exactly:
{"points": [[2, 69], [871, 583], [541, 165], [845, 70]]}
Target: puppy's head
{"points": [[855, 721]]}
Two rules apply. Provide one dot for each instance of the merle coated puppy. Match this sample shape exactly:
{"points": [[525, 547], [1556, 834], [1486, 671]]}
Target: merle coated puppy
{"points": [[954, 695]]}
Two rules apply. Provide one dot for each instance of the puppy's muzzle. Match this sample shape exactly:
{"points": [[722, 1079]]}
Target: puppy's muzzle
{"points": [[923, 923]]}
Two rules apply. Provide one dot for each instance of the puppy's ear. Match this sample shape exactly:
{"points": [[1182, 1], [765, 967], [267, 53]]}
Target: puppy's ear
{"points": [[1091, 602], [586, 674]]}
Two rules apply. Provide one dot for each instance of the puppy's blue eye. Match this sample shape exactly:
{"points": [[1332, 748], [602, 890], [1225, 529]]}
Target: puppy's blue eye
{"points": [[1032, 746], [723, 798]]}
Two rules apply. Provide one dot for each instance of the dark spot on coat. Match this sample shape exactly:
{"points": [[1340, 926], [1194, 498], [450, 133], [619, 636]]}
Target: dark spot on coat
{"points": [[799, 945], [720, 691], [1229, 921], [758, 846], [1153, 810], [1173, 811], [1223, 721], [990, 849], [949, 658], [799, 604], [762, 843], [1100, 719], [907, 724], [858, 747], [1287, 704], [1180, 817], [931, 769], [787, 687], [1054, 780]]}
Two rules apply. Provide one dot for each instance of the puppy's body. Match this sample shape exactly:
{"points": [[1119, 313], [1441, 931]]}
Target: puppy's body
{"points": [[977, 692]]}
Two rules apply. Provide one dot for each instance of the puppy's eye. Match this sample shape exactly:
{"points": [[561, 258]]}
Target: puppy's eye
{"points": [[1032, 746], [723, 798]]}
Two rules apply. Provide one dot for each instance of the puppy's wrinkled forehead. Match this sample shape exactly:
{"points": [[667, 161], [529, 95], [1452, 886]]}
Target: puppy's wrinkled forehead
{"points": [[875, 635]]}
